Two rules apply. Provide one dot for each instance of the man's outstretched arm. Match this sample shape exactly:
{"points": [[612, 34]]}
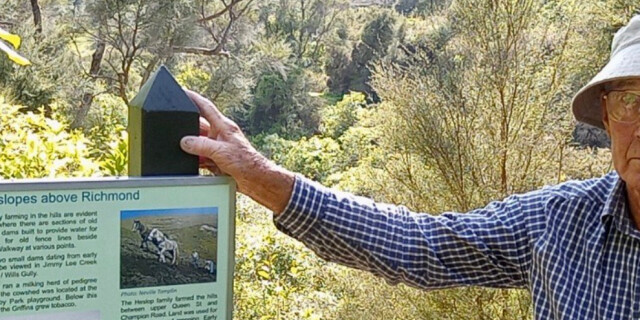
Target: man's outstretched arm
{"points": [[490, 246]]}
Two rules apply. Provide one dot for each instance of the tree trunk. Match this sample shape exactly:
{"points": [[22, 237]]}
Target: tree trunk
{"points": [[37, 17], [149, 70], [87, 98]]}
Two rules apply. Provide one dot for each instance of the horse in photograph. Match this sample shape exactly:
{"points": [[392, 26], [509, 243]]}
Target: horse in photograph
{"points": [[164, 245], [144, 233]]}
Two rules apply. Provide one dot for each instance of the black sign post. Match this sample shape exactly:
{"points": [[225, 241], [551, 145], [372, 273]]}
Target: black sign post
{"points": [[159, 116]]}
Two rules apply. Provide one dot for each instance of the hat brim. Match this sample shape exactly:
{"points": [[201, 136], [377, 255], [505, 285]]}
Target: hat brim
{"points": [[624, 65]]}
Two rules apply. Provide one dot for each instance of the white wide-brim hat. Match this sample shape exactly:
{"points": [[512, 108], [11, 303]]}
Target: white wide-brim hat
{"points": [[624, 64]]}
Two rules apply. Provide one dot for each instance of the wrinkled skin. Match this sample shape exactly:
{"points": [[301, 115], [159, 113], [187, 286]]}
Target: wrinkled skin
{"points": [[224, 149]]}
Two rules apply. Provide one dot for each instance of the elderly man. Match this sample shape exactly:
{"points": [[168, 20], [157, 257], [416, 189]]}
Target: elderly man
{"points": [[575, 246]]}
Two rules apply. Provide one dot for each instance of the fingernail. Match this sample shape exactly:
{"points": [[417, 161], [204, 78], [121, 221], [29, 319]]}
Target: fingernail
{"points": [[187, 143]]}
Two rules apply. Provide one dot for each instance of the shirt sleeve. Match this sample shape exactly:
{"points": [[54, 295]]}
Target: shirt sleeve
{"points": [[487, 247]]}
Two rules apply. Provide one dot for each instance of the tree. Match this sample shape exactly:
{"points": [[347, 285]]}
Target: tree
{"points": [[353, 73], [94, 73], [492, 93], [217, 27], [482, 117], [407, 7], [282, 105], [140, 34], [37, 15], [304, 24]]}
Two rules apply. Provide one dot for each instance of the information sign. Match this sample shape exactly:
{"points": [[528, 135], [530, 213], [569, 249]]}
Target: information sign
{"points": [[117, 248]]}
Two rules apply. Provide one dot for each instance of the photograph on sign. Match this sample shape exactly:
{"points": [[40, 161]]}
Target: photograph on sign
{"points": [[178, 244]]}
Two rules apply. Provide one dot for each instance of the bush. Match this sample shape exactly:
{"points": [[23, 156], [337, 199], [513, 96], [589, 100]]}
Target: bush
{"points": [[106, 128], [275, 276], [376, 43], [336, 119], [315, 157], [282, 104], [35, 146], [45, 81]]}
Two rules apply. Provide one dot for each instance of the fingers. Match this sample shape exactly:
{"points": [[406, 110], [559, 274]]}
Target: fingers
{"points": [[204, 127], [208, 110], [201, 146]]}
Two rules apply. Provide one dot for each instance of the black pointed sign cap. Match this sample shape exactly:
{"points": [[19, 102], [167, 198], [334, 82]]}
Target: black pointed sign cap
{"points": [[159, 116]]}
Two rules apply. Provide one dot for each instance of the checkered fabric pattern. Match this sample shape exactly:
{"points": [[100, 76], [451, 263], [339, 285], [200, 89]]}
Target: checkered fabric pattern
{"points": [[573, 245]]}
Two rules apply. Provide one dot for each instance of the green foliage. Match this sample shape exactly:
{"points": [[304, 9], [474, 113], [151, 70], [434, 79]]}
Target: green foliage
{"points": [[114, 162], [340, 117], [138, 36], [282, 104], [316, 157], [437, 150], [306, 25], [353, 73], [402, 302], [337, 69], [276, 278], [497, 98], [344, 141], [481, 117], [105, 126], [376, 37], [420, 7], [40, 144], [227, 82], [44, 81], [406, 6], [34, 146], [193, 77]]}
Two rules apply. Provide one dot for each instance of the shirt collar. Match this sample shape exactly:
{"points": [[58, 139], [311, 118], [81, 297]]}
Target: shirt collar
{"points": [[616, 209], [616, 201]]}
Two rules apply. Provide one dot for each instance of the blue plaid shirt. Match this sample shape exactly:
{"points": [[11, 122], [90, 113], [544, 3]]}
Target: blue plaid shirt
{"points": [[574, 245]]}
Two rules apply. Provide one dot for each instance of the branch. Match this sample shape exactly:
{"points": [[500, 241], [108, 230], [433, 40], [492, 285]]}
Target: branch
{"points": [[244, 9], [221, 38], [218, 14], [105, 77], [217, 51]]}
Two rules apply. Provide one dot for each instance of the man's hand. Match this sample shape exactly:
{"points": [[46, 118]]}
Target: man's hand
{"points": [[224, 149]]}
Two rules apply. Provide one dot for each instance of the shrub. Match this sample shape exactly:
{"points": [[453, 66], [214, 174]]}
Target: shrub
{"points": [[275, 276], [38, 144], [336, 119], [34, 146], [315, 157]]}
